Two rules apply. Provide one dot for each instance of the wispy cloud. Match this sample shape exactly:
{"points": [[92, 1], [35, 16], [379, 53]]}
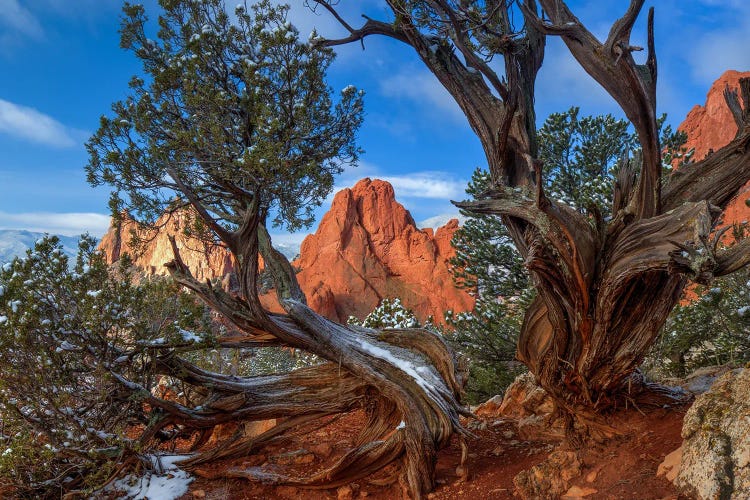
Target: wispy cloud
{"points": [[20, 20], [28, 123], [65, 224], [435, 185]]}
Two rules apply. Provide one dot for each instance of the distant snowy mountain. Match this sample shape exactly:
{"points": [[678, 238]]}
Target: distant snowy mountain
{"points": [[15, 242], [441, 220], [290, 250]]}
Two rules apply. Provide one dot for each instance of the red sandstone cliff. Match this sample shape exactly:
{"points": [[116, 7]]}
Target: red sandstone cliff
{"points": [[711, 127], [367, 248]]}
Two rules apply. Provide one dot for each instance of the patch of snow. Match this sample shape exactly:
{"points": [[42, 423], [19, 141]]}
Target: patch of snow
{"points": [[403, 365], [402, 425], [189, 336], [171, 484]]}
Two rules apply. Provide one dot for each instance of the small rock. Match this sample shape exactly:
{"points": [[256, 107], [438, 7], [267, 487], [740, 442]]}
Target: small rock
{"points": [[345, 493], [670, 467], [323, 450], [490, 407], [199, 494], [549, 479], [591, 476], [576, 492]]}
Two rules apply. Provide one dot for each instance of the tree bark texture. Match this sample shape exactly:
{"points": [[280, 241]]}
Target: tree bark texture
{"points": [[604, 288], [408, 382]]}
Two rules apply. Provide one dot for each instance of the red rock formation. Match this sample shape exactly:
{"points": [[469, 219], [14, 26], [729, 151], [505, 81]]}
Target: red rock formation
{"points": [[368, 248], [206, 262], [711, 127]]}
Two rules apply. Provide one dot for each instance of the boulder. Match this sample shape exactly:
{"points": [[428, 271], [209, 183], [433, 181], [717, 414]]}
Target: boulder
{"points": [[716, 448], [529, 405]]}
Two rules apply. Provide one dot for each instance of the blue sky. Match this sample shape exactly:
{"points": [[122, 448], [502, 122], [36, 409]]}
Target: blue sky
{"points": [[61, 68]]}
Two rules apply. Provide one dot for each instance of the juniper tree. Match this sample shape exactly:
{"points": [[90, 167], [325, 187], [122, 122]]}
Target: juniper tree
{"points": [[581, 157], [604, 286], [233, 118], [68, 333]]}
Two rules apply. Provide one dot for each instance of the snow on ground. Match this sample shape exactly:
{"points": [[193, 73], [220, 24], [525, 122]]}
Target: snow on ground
{"points": [[170, 484]]}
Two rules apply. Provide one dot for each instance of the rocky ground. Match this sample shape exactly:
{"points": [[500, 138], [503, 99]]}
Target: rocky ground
{"points": [[698, 449], [516, 453], [623, 469]]}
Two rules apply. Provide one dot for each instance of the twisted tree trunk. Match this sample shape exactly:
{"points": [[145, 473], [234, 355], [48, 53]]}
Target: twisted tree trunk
{"points": [[604, 288], [408, 381]]}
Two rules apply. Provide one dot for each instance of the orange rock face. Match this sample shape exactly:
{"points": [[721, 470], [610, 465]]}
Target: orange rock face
{"points": [[368, 248], [711, 127], [205, 262]]}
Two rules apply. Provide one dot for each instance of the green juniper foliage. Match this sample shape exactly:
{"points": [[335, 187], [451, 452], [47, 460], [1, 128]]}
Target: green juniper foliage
{"points": [[712, 327], [66, 334], [229, 110], [390, 313]]}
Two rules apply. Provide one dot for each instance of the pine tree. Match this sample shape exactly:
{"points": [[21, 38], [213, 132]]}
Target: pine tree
{"points": [[390, 313]]}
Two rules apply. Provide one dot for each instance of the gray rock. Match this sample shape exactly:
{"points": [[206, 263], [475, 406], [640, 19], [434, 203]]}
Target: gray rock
{"points": [[716, 449]]}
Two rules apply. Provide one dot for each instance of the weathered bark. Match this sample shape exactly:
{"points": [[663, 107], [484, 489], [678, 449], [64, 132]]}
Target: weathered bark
{"points": [[408, 382], [604, 287]]}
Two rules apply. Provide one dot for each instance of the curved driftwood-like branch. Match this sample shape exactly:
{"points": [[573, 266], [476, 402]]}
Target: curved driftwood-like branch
{"points": [[632, 85], [409, 382]]}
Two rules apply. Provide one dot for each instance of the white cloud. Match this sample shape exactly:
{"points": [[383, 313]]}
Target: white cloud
{"points": [[65, 224], [19, 19], [28, 123], [426, 185], [430, 184], [439, 220]]}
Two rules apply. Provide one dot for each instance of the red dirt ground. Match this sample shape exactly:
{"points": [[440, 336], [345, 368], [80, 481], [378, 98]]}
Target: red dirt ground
{"points": [[625, 468]]}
